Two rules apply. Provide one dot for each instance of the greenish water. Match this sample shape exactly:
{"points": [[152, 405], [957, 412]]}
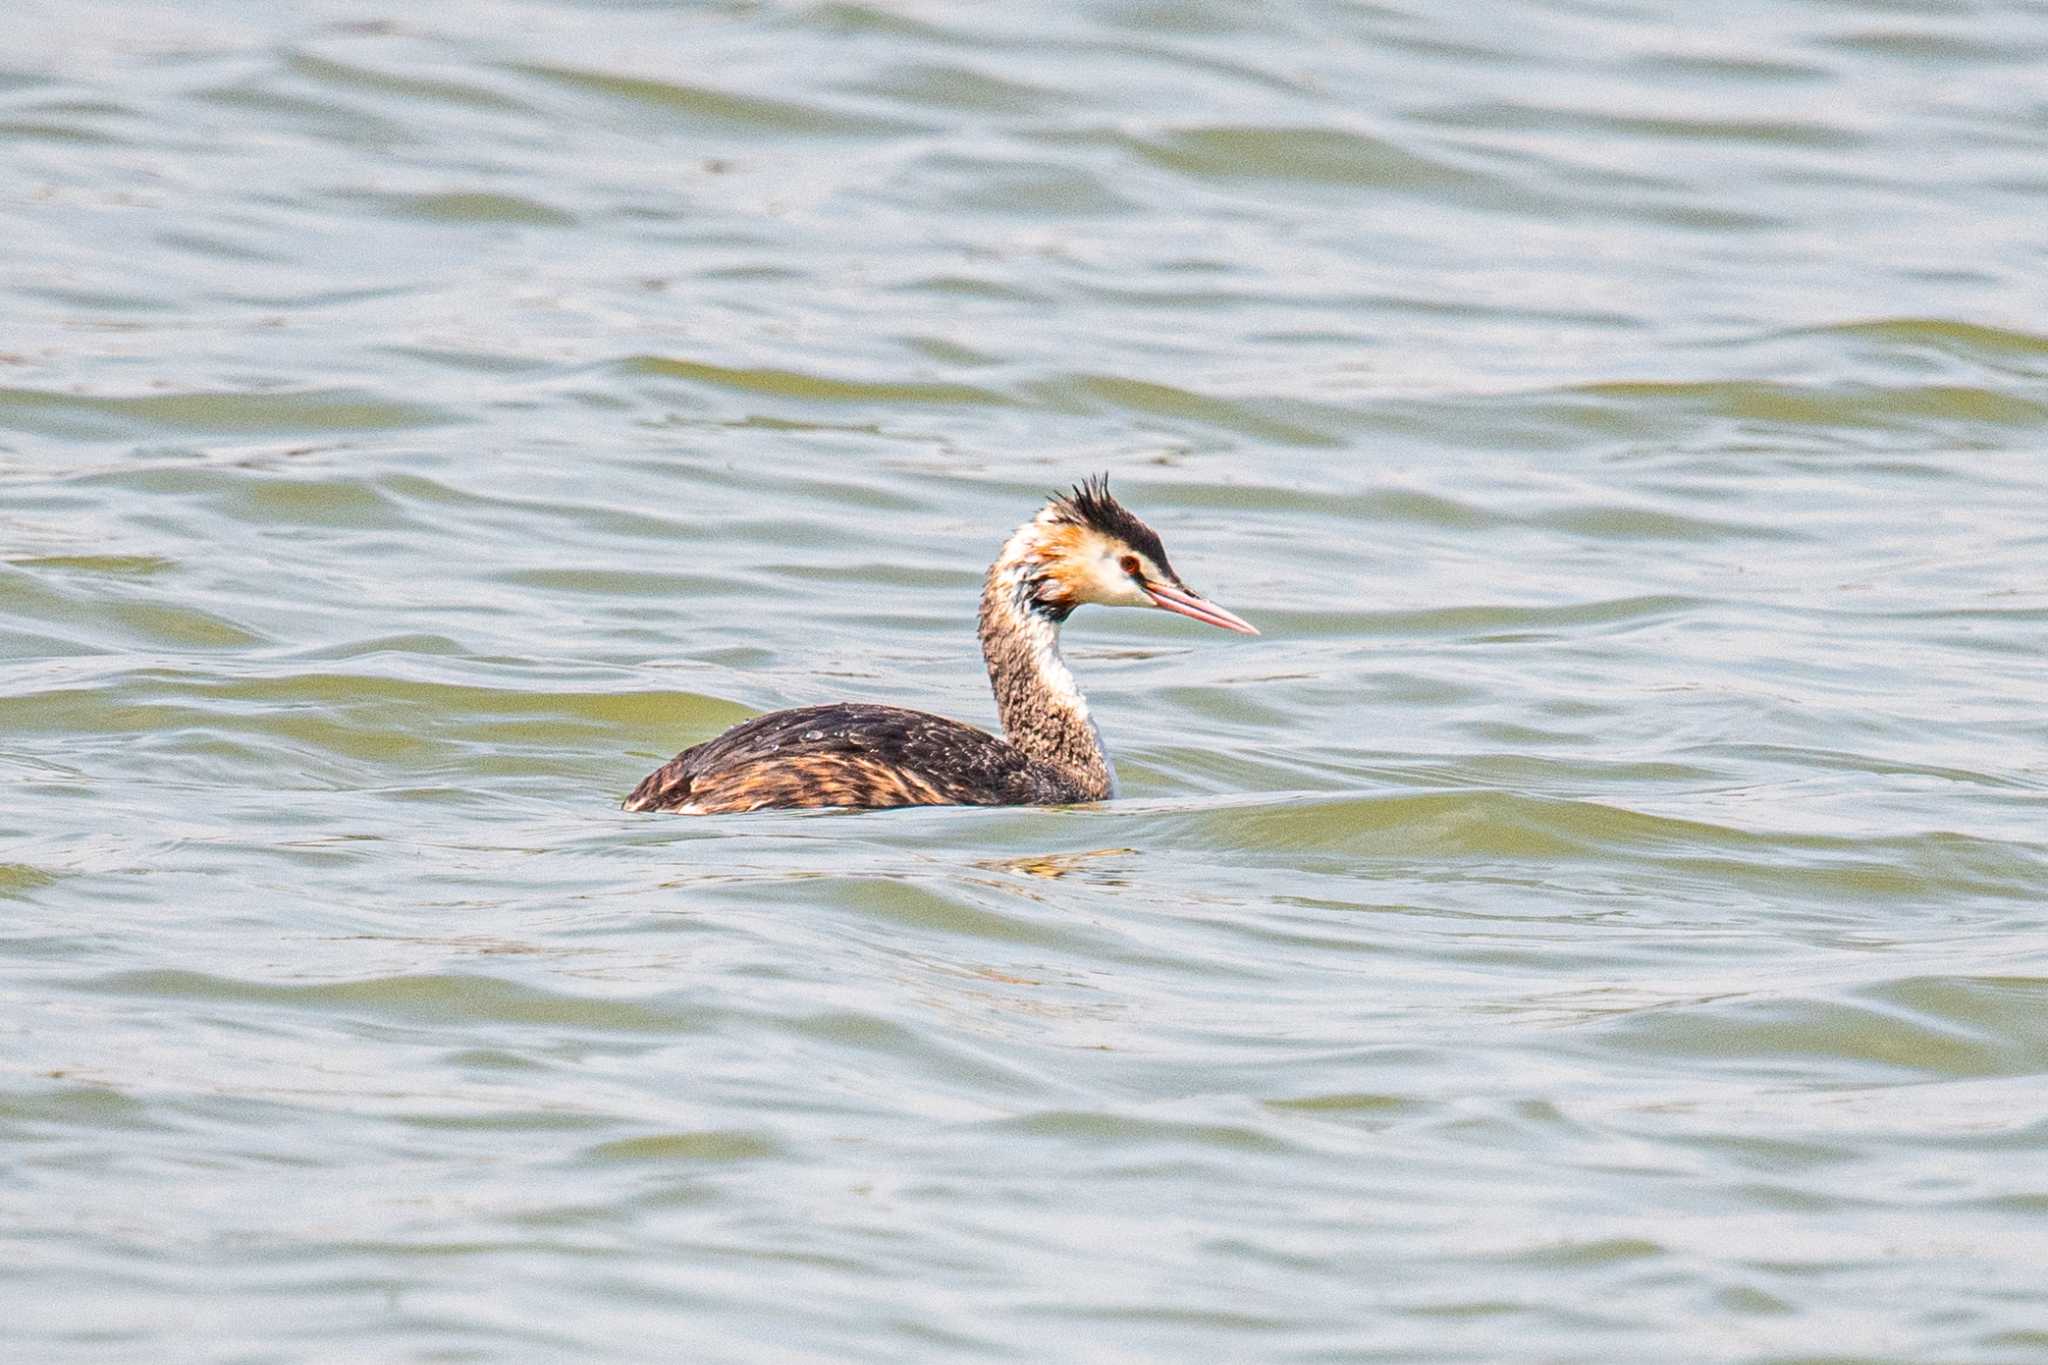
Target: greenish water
{"points": [[1605, 916]]}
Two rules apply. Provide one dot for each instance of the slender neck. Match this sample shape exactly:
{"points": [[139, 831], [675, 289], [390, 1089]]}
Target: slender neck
{"points": [[1043, 711]]}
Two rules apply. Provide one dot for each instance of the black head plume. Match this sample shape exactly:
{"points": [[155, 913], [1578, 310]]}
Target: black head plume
{"points": [[1091, 505]]}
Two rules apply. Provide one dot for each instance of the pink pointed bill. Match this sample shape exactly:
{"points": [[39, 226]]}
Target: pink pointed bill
{"points": [[1182, 602]]}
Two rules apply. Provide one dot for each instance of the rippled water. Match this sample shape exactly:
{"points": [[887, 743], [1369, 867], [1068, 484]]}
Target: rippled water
{"points": [[1604, 917]]}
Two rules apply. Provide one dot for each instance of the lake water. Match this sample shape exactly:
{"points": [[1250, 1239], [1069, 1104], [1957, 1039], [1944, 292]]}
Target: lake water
{"points": [[1604, 917]]}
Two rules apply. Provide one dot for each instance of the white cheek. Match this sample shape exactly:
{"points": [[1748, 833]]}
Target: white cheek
{"points": [[1112, 587]]}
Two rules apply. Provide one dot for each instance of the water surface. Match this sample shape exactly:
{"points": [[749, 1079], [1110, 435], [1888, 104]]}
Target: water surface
{"points": [[1601, 918]]}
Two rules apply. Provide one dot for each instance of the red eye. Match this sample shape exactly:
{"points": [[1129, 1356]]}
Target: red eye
{"points": [[1130, 565]]}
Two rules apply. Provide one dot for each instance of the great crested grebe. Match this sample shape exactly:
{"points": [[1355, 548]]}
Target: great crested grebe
{"points": [[1083, 547]]}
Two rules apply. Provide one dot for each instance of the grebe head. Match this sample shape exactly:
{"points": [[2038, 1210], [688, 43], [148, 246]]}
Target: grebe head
{"points": [[1087, 547]]}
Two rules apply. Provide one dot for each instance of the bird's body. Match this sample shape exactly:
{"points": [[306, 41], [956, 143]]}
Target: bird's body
{"points": [[1081, 548], [849, 753]]}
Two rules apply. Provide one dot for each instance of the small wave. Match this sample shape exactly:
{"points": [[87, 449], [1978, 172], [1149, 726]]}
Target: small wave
{"points": [[783, 383], [423, 999], [711, 107], [224, 413]]}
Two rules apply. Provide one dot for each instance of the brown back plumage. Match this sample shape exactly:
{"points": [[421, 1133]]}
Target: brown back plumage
{"points": [[850, 754]]}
